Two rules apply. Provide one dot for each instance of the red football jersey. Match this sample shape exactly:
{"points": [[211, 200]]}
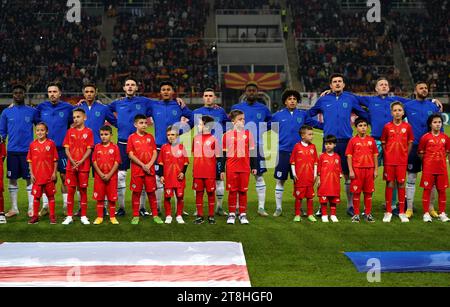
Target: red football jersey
{"points": [[238, 145], [304, 158], [362, 151], [434, 149], [142, 147], [205, 150], [173, 159], [330, 170], [106, 156], [2, 150], [42, 157], [396, 139], [78, 141]]}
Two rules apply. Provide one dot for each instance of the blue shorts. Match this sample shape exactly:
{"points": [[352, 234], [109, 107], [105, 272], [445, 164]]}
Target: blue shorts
{"points": [[341, 146], [17, 165], [125, 165], [283, 168], [62, 160], [261, 161], [414, 162]]}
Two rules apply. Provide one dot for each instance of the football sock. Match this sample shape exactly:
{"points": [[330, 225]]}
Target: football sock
{"points": [[152, 201], [279, 189], [388, 195], [242, 202], [13, 189], [401, 199], [260, 191], [411, 189], [426, 200], [199, 202], [368, 203], [220, 192], [442, 199], [211, 201]]}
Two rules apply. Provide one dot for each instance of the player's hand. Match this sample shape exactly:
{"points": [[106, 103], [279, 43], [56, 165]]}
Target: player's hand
{"points": [[324, 93], [146, 168], [80, 102], [438, 103], [53, 178], [295, 178], [222, 176], [318, 181], [161, 179], [2, 140], [180, 176], [352, 175], [375, 174], [254, 172], [181, 103]]}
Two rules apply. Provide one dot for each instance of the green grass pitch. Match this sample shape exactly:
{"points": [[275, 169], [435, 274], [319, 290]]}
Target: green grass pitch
{"points": [[278, 251]]}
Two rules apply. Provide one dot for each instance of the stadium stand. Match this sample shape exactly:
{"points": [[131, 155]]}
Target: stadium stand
{"points": [[38, 46], [165, 44]]}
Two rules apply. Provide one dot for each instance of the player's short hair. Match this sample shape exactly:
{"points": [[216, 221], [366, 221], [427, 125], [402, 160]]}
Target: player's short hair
{"points": [[432, 117], [336, 75], [57, 84], [106, 128], [168, 83], [250, 84], [79, 110], [382, 79], [330, 139], [304, 128], [288, 93], [138, 117], [90, 85], [360, 120], [19, 86], [206, 119], [130, 79], [420, 82], [42, 124], [235, 113], [209, 90], [397, 103], [172, 128]]}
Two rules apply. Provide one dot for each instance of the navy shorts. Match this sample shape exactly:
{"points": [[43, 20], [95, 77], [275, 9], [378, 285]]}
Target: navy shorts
{"points": [[341, 146], [414, 162], [17, 165], [125, 165], [62, 160], [283, 168]]}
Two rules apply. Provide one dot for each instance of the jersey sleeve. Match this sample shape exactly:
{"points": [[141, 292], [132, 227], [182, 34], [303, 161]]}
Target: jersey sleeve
{"points": [[94, 153], [316, 109], [319, 165], [66, 142], [349, 149], [422, 144], [384, 135], [130, 147], [161, 156], [374, 147], [3, 125], [316, 158], [251, 140], [447, 143], [117, 157], [410, 133], [224, 142], [29, 154], [185, 156], [55, 152], [293, 155], [110, 117], [90, 139]]}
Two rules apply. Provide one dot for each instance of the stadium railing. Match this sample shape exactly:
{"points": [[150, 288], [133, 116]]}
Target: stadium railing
{"points": [[247, 12]]}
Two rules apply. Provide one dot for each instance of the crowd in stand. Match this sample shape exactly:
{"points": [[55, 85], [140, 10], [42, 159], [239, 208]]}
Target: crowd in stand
{"points": [[425, 41], [244, 5], [39, 45], [330, 40], [164, 44]]}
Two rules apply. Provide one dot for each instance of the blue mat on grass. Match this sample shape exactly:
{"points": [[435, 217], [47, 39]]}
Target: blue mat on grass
{"points": [[436, 261]]}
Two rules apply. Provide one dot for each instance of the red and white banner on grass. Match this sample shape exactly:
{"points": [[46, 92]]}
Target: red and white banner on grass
{"points": [[167, 264]]}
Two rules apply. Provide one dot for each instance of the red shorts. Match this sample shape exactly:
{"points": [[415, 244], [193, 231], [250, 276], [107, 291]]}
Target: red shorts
{"points": [[237, 182], [105, 188], [38, 189], [137, 183], [304, 192], [364, 181], [330, 199], [170, 192], [200, 184], [77, 179], [429, 180], [395, 173]]}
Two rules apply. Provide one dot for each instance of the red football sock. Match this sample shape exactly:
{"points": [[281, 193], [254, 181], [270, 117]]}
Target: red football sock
{"points": [[180, 206], [199, 202], [232, 201], [70, 200], [135, 203], [426, 200], [112, 209], [211, 203], [324, 209], [51, 205], [242, 202], [368, 203], [2, 203], [333, 209], [401, 199], [356, 203], [153, 204], [83, 201], [388, 195], [298, 206], [309, 206], [100, 205], [167, 206], [36, 204], [442, 199]]}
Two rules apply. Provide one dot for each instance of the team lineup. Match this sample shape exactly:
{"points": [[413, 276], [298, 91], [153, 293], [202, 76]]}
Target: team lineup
{"points": [[227, 148]]}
